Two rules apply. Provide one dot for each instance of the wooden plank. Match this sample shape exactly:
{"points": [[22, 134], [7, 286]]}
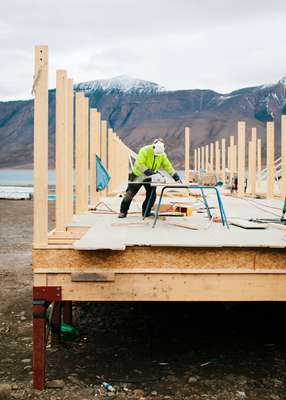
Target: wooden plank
{"points": [[283, 156], [253, 160], [70, 160], [207, 157], [40, 89], [211, 157], [187, 154], [81, 153], [170, 270], [111, 161], [231, 158], [158, 257], [242, 223], [61, 149], [195, 160], [184, 224], [40, 279], [199, 158], [203, 156], [259, 159], [217, 158], [223, 160], [235, 158], [92, 156], [104, 142], [179, 287], [249, 163], [241, 157], [270, 159]]}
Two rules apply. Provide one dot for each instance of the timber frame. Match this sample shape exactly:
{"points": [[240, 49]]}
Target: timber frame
{"points": [[63, 274]]}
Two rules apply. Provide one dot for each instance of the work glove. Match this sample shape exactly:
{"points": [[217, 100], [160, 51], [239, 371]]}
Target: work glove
{"points": [[148, 172], [176, 177]]}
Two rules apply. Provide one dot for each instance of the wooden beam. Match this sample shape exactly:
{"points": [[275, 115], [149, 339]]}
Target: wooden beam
{"points": [[207, 157], [61, 149], [217, 158], [270, 159], [283, 156], [40, 89], [203, 156], [174, 287], [231, 160], [235, 158], [104, 143], [81, 124], [223, 160], [241, 157], [195, 160], [211, 157], [259, 159], [187, 154], [70, 160], [253, 160], [92, 156], [111, 161]]}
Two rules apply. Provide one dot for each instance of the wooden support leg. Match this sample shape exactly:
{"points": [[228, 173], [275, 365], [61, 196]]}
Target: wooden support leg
{"points": [[56, 323], [39, 343], [67, 312]]}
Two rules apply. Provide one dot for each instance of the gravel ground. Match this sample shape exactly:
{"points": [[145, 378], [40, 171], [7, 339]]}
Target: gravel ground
{"points": [[144, 350]]}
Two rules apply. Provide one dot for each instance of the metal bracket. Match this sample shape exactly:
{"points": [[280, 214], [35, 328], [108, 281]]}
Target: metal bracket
{"points": [[47, 293]]}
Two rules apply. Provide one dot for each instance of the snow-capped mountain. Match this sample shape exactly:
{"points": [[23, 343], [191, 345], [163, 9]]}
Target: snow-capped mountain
{"points": [[122, 84], [140, 111]]}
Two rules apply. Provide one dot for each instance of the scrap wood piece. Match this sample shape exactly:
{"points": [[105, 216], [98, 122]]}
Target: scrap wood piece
{"points": [[184, 224], [93, 277], [128, 223], [242, 223]]}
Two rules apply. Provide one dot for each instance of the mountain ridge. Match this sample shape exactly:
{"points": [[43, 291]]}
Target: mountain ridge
{"points": [[140, 110]]}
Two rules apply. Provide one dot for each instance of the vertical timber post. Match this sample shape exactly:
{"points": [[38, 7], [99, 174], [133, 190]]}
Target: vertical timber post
{"points": [[259, 160], [231, 160], [241, 158], [211, 157], [270, 159], [217, 158], [199, 158], [187, 154], [61, 149], [81, 153], [195, 160], [92, 156], [110, 159], [207, 157], [40, 89], [253, 160], [70, 163], [223, 160]]}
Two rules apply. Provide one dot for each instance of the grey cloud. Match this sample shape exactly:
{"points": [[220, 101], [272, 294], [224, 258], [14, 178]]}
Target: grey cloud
{"points": [[219, 44]]}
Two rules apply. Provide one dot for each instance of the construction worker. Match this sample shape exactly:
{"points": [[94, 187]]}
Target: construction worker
{"points": [[148, 161]]}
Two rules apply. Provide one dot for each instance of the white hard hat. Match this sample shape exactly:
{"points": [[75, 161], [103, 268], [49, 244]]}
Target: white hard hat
{"points": [[158, 147]]}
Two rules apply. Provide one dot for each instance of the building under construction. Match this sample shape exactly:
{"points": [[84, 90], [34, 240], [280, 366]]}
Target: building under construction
{"points": [[205, 244]]}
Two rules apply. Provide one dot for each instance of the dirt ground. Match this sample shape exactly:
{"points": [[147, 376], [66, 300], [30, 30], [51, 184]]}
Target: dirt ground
{"points": [[144, 350]]}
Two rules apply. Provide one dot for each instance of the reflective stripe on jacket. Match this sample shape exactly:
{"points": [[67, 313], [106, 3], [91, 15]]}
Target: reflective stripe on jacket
{"points": [[146, 159]]}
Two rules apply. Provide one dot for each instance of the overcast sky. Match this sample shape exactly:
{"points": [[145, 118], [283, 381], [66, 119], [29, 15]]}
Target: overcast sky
{"points": [[181, 44]]}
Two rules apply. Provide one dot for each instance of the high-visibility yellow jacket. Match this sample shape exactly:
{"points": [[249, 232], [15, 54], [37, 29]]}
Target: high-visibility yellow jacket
{"points": [[146, 159]]}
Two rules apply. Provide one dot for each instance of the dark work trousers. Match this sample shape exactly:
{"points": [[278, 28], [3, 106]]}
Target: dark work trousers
{"points": [[132, 190]]}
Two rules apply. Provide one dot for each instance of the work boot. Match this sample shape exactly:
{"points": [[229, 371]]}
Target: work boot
{"points": [[122, 215]]}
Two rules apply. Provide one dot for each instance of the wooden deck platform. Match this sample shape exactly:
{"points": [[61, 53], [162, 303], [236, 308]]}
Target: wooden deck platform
{"points": [[113, 259]]}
